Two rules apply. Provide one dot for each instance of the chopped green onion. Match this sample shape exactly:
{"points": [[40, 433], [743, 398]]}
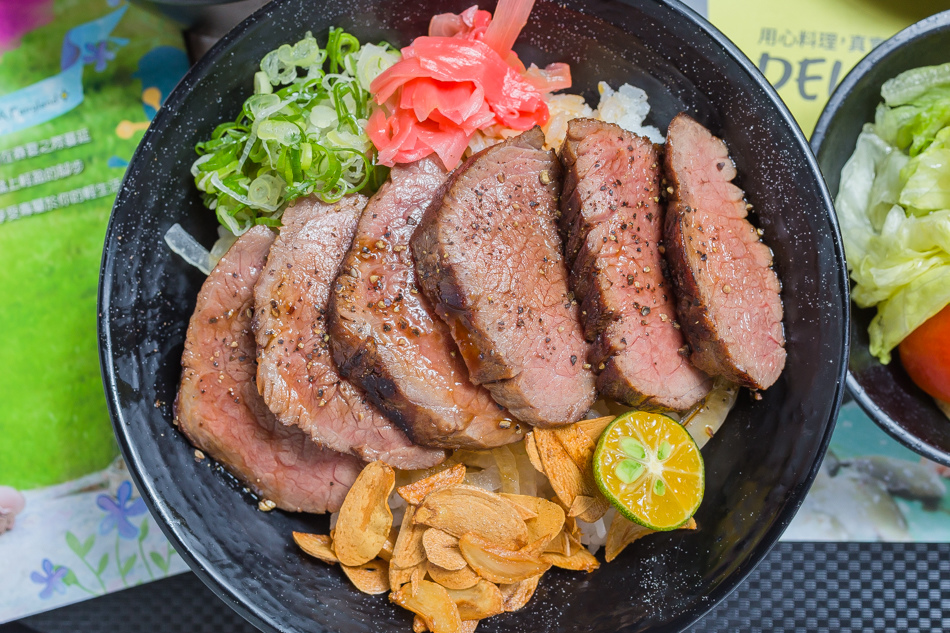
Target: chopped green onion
{"points": [[265, 190], [301, 133], [262, 83]]}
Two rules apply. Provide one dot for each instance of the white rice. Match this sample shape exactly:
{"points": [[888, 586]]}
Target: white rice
{"points": [[594, 535], [628, 107], [563, 108]]}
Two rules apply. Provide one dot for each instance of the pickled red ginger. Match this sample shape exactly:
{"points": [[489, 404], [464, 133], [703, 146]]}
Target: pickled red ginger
{"points": [[460, 78]]}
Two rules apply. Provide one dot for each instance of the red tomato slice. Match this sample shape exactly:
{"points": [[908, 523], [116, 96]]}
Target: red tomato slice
{"points": [[925, 355]]}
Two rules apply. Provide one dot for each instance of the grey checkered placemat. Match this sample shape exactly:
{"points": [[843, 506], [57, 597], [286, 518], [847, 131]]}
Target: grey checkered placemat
{"points": [[814, 587], [841, 588]]}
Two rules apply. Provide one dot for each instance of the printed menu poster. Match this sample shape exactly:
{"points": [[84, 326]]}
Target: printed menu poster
{"points": [[805, 48], [79, 82]]}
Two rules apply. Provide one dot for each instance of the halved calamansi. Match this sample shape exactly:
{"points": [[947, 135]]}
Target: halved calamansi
{"points": [[648, 466]]}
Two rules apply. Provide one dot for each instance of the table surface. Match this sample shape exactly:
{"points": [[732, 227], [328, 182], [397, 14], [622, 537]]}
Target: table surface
{"points": [[816, 587]]}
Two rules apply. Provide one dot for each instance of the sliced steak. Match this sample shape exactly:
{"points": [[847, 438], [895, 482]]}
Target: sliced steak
{"points": [[296, 374], [489, 258], [728, 294], [218, 407], [610, 207], [386, 338]]}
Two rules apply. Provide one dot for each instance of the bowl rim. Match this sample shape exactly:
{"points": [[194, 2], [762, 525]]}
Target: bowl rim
{"points": [[218, 581], [912, 33]]}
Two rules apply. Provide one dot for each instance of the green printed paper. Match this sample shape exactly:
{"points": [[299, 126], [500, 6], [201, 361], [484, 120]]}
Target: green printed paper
{"points": [[79, 82]]}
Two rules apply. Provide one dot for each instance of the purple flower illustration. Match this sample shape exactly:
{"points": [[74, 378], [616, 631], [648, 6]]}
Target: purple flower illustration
{"points": [[118, 510], [53, 579], [98, 53]]}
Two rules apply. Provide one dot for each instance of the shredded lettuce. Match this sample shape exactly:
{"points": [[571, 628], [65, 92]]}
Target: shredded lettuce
{"points": [[911, 85], [302, 132], [894, 207], [927, 177]]}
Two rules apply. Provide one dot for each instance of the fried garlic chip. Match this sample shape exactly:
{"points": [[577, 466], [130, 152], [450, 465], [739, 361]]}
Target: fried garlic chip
{"points": [[623, 532], [365, 519], [479, 601], [415, 492], [432, 603], [518, 594], [547, 520], [498, 564], [581, 560], [371, 577], [317, 545], [453, 579], [464, 509], [566, 456], [442, 549]]}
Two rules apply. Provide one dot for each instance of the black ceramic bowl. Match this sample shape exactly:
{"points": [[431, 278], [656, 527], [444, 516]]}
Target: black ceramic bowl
{"points": [[759, 466], [885, 392], [200, 13]]}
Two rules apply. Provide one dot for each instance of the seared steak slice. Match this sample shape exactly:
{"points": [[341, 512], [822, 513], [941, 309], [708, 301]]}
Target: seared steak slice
{"points": [[728, 294], [218, 407], [385, 336], [610, 207], [296, 374], [489, 258]]}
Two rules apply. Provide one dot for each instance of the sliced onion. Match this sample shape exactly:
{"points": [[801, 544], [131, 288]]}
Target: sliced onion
{"points": [[508, 469], [705, 418], [188, 248]]}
